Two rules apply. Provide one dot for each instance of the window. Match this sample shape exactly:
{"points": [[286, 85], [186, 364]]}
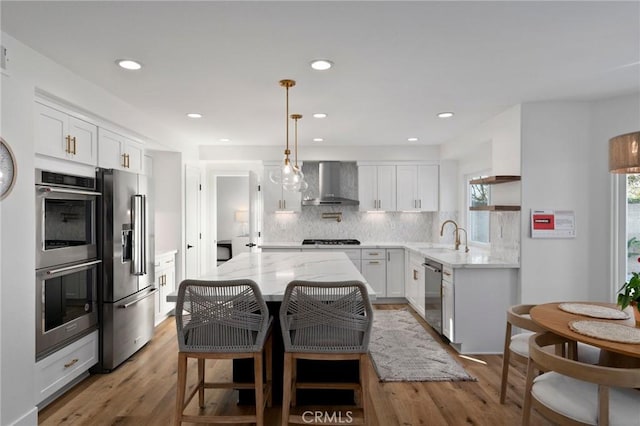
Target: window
{"points": [[633, 224], [478, 221]]}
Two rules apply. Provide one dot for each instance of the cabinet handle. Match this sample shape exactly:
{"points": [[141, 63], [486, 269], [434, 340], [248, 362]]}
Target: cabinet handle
{"points": [[124, 160], [374, 262], [388, 256], [284, 204], [72, 362], [128, 162], [419, 204], [374, 253], [415, 274], [74, 145], [68, 149], [446, 273]]}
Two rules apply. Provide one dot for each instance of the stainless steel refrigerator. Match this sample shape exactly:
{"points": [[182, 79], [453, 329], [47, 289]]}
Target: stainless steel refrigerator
{"points": [[127, 301]]}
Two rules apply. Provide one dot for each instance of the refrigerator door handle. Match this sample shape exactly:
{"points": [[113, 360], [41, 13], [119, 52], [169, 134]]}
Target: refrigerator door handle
{"points": [[127, 305], [139, 254]]}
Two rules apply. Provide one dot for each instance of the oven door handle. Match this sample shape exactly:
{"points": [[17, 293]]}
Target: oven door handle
{"points": [[67, 191], [126, 305], [69, 268]]}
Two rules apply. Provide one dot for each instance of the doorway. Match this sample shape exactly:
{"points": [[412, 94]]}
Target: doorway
{"points": [[232, 216]]}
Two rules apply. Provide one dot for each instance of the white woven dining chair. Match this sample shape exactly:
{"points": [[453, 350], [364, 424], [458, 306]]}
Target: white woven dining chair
{"points": [[222, 320], [329, 321], [577, 393]]}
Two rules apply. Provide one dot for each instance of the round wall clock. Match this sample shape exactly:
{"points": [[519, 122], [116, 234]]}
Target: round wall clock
{"points": [[7, 169]]}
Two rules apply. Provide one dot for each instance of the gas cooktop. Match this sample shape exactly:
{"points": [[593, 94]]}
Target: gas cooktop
{"points": [[331, 242]]}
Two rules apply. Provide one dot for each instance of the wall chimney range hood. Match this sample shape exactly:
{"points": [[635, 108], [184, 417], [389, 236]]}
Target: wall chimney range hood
{"points": [[329, 182]]}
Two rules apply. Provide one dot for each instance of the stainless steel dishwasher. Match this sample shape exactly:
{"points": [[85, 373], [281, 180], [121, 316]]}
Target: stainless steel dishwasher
{"points": [[433, 294]]}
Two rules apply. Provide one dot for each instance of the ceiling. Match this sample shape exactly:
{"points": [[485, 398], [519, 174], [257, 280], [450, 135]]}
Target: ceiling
{"points": [[397, 64]]}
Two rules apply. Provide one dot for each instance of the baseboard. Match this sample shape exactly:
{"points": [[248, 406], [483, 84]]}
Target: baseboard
{"points": [[30, 418]]}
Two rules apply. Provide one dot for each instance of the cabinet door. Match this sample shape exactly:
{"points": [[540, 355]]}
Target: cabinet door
{"points": [[135, 156], [51, 132], [428, 183], [367, 188], [111, 150], [84, 141], [387, 188], [407, 188], [395, 272], [447, 309], [272, 198], [374, 271], [417, 283], [291, 200]]}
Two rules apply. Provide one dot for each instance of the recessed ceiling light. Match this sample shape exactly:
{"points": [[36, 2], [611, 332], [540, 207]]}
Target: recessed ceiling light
{"points": [[412, 139], [194, 115], [129, 64], [225, 140], [445, 115], [321, 64], [318, 139], [319, 115]]}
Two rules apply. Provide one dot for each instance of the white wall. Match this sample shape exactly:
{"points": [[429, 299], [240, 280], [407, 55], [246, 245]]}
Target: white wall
{"points": [[565, 166]]}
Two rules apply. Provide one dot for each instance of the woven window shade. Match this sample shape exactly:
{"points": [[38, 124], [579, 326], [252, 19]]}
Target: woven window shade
{"points": [[624, 153]]}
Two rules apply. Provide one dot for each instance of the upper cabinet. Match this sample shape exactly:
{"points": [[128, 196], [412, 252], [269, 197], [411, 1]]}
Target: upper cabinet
{"points": [[62, 135], [417, 188], [119, 152], [377, 188], [275, 197]]}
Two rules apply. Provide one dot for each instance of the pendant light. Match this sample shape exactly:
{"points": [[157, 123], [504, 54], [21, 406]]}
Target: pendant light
{"points": [[624, 155], [302, 184], [284, 176]]}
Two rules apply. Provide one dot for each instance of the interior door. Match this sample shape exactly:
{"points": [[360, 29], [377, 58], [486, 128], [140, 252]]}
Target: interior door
{"points": [[255, 212], [192, 223]]}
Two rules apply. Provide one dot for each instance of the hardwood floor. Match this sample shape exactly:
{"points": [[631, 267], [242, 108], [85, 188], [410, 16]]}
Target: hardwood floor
{"points": [[142, 392]]}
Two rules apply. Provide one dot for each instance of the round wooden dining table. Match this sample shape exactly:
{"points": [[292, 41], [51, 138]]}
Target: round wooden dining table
{"points": [[614, 354]]}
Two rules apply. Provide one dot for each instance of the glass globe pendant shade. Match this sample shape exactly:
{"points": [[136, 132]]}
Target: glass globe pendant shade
{"points": [[292, 180]]}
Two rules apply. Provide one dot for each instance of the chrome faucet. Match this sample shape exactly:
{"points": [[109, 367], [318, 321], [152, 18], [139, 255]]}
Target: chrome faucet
{"points": [[455, 232]]}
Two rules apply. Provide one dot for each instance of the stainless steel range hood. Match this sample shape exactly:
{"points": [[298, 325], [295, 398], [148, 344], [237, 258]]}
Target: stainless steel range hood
{"points": [[329, 182]]}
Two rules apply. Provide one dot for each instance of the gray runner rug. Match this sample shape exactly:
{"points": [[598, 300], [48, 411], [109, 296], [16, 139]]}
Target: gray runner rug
{"points": [[403, 351]]}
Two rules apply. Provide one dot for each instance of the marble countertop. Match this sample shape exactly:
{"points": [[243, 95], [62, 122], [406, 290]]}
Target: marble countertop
{"points": [[442, 253], [273, 271]]}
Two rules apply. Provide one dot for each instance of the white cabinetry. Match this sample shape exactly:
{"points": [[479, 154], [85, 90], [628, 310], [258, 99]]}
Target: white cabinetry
{"points": [[447, 303], [62, 135], [474, 304], [377, 187], [414, 283], [275, 197], [417, 187], [165, 273], [395, 272], [119, 152], [63, 367], [374, 270]]}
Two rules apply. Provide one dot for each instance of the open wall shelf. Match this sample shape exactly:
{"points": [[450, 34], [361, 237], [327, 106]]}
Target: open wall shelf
{"points": [[494, 180]]}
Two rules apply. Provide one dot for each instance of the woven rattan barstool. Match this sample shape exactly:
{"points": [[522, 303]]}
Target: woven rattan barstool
{"points": [[222, 320], [329, 321]]}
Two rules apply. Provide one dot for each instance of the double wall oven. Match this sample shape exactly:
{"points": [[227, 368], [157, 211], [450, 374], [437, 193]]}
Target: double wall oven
{"points": [[67, 264]]}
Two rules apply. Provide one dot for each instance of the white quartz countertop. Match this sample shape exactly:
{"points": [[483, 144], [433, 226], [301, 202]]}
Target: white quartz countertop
{"points": [[442, 253], [272, 271]]}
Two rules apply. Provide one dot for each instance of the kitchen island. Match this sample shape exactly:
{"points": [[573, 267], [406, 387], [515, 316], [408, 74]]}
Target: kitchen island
{"points": [[273, 272]]}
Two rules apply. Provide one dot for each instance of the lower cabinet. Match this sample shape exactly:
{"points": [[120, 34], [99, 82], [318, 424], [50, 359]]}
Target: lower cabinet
{"points": [[474, 304], [414, 282], [374, 270], [63, 367], [395, 272], [165, 272]]}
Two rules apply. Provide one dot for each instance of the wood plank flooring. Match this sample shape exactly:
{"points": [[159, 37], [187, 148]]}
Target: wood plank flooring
{"points": [[142, 392]]}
